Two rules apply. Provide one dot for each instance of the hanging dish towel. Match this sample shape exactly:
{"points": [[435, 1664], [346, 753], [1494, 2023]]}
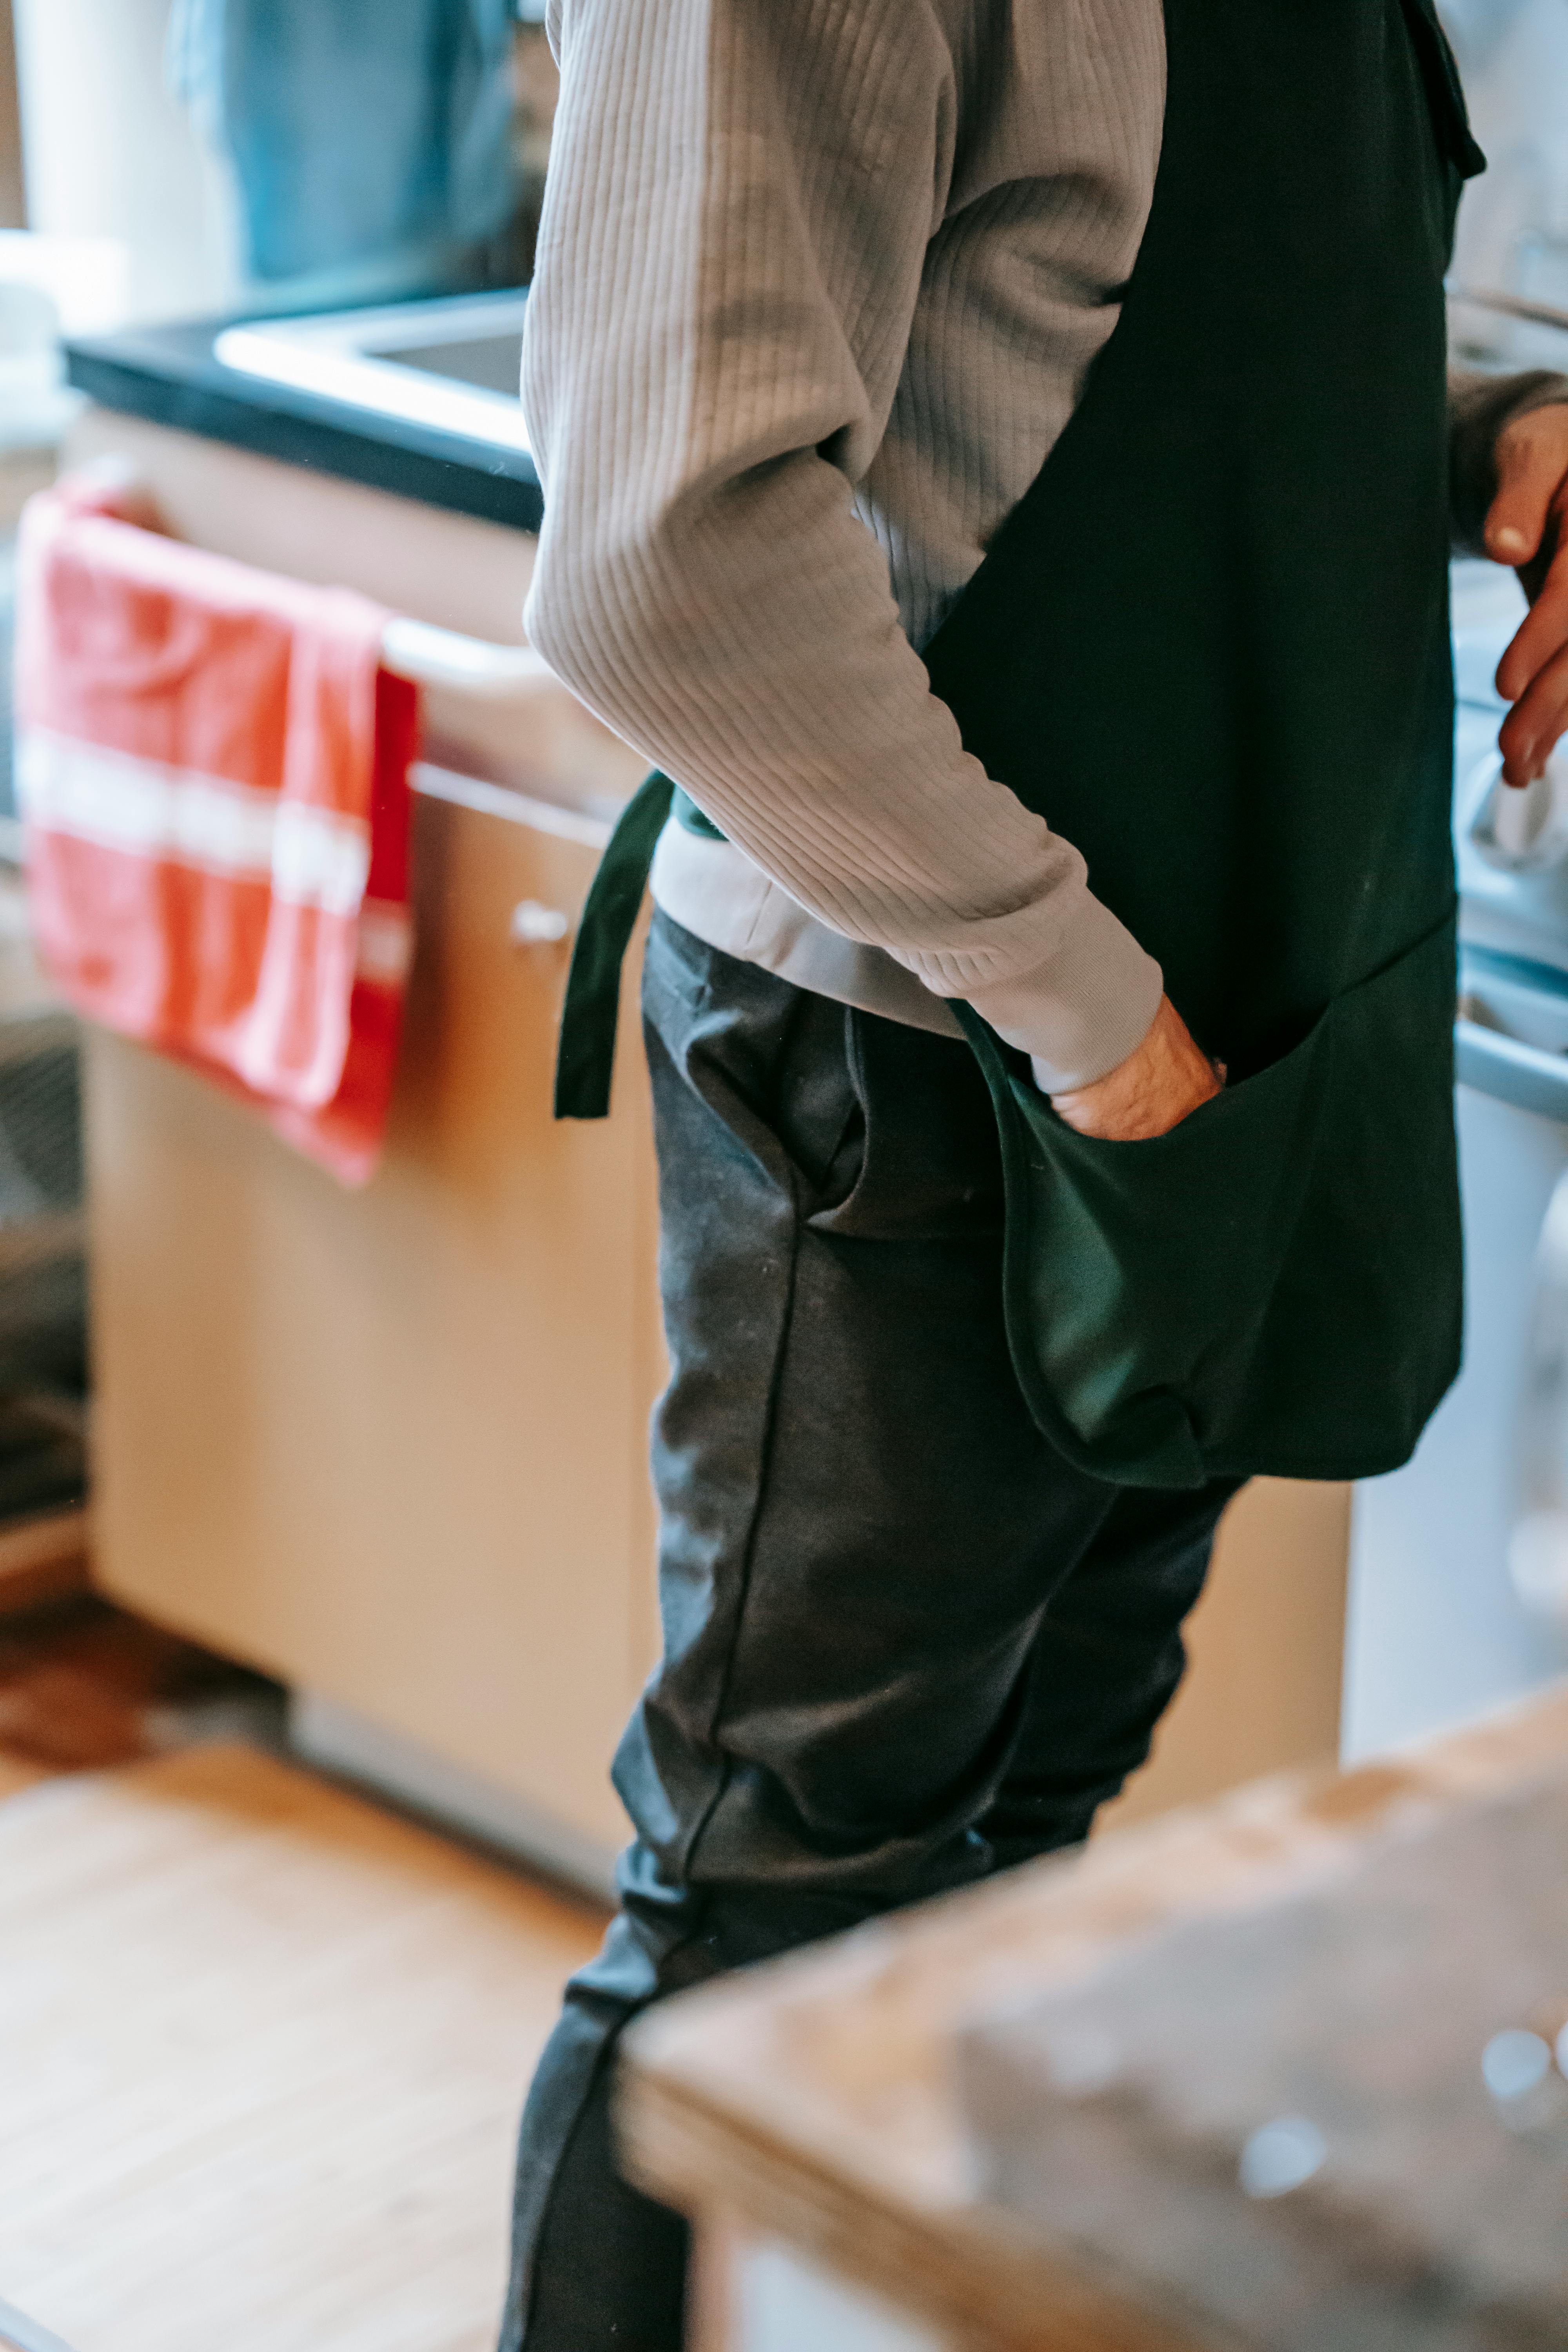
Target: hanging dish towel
{"points": [[213, 769]]}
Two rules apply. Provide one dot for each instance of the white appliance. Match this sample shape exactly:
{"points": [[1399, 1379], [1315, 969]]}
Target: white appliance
{"points": [[109, 154], [1438, 1626]]}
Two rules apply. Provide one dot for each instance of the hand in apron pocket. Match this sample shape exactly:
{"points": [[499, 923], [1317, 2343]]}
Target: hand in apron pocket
{"points": [[1159, 1320]]}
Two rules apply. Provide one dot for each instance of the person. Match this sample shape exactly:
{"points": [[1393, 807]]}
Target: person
{"points": [[996, 465]]}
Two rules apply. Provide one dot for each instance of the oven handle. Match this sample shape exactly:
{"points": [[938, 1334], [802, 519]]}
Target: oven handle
{"points": [[1497, 1065]]}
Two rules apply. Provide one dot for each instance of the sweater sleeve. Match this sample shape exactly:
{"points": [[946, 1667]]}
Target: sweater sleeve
{"points": [[1480, 408], [740, 196]]}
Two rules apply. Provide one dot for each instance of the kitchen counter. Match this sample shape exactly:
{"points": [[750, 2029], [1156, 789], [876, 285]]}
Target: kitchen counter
{"points": [[809, 2115], [170, 376]]}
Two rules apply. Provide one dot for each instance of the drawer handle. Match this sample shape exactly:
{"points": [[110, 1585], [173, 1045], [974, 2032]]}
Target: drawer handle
{"points": [[536, 926]]}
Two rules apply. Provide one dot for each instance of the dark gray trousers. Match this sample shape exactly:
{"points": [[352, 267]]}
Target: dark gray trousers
{"points": [[905, 1643]]}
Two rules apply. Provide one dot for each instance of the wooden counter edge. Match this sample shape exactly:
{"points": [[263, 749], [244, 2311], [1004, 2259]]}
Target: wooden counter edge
{"points": [[707, 2124], [677, 2145]]}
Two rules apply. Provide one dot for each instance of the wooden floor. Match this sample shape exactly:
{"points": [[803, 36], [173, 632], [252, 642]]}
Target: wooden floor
{"points": [[262, 2042]]}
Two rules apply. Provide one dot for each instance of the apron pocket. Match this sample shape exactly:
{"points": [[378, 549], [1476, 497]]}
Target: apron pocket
{"points": [[1142, 1278]]}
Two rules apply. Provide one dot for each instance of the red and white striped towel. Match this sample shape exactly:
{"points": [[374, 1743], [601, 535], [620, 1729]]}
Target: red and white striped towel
{"points": [[213, 769]]}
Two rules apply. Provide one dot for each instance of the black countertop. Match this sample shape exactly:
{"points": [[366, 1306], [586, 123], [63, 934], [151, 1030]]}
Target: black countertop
{"points": [[169, 375]]}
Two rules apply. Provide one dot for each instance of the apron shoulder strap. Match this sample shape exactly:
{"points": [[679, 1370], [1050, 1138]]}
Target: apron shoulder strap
{"points": [[586, 1051]]}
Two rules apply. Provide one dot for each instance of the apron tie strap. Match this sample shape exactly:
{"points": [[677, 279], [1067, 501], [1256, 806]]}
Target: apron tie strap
{"points": [[585, 1054]]}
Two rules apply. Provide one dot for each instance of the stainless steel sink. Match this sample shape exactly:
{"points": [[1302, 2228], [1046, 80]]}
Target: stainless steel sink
{"points": [[451, 365]]}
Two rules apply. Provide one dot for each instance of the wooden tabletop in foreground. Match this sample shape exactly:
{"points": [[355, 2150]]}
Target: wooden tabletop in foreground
{"points": [[812, 2100]]}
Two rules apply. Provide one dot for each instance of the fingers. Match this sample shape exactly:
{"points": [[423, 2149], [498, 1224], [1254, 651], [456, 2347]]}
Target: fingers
{"points": [[1536, 721], [1531, 461], [1525, 527], [1541, 633]]}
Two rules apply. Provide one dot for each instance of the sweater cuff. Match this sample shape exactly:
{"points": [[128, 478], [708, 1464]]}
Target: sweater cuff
{"points": [[1479, 409], [1082, 1011]]}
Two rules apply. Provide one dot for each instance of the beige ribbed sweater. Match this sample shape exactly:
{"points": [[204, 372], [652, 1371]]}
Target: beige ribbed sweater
{"points": [[818, 283]]}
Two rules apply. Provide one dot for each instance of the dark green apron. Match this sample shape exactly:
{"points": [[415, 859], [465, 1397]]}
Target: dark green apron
{"points": [[1211, 646]]}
